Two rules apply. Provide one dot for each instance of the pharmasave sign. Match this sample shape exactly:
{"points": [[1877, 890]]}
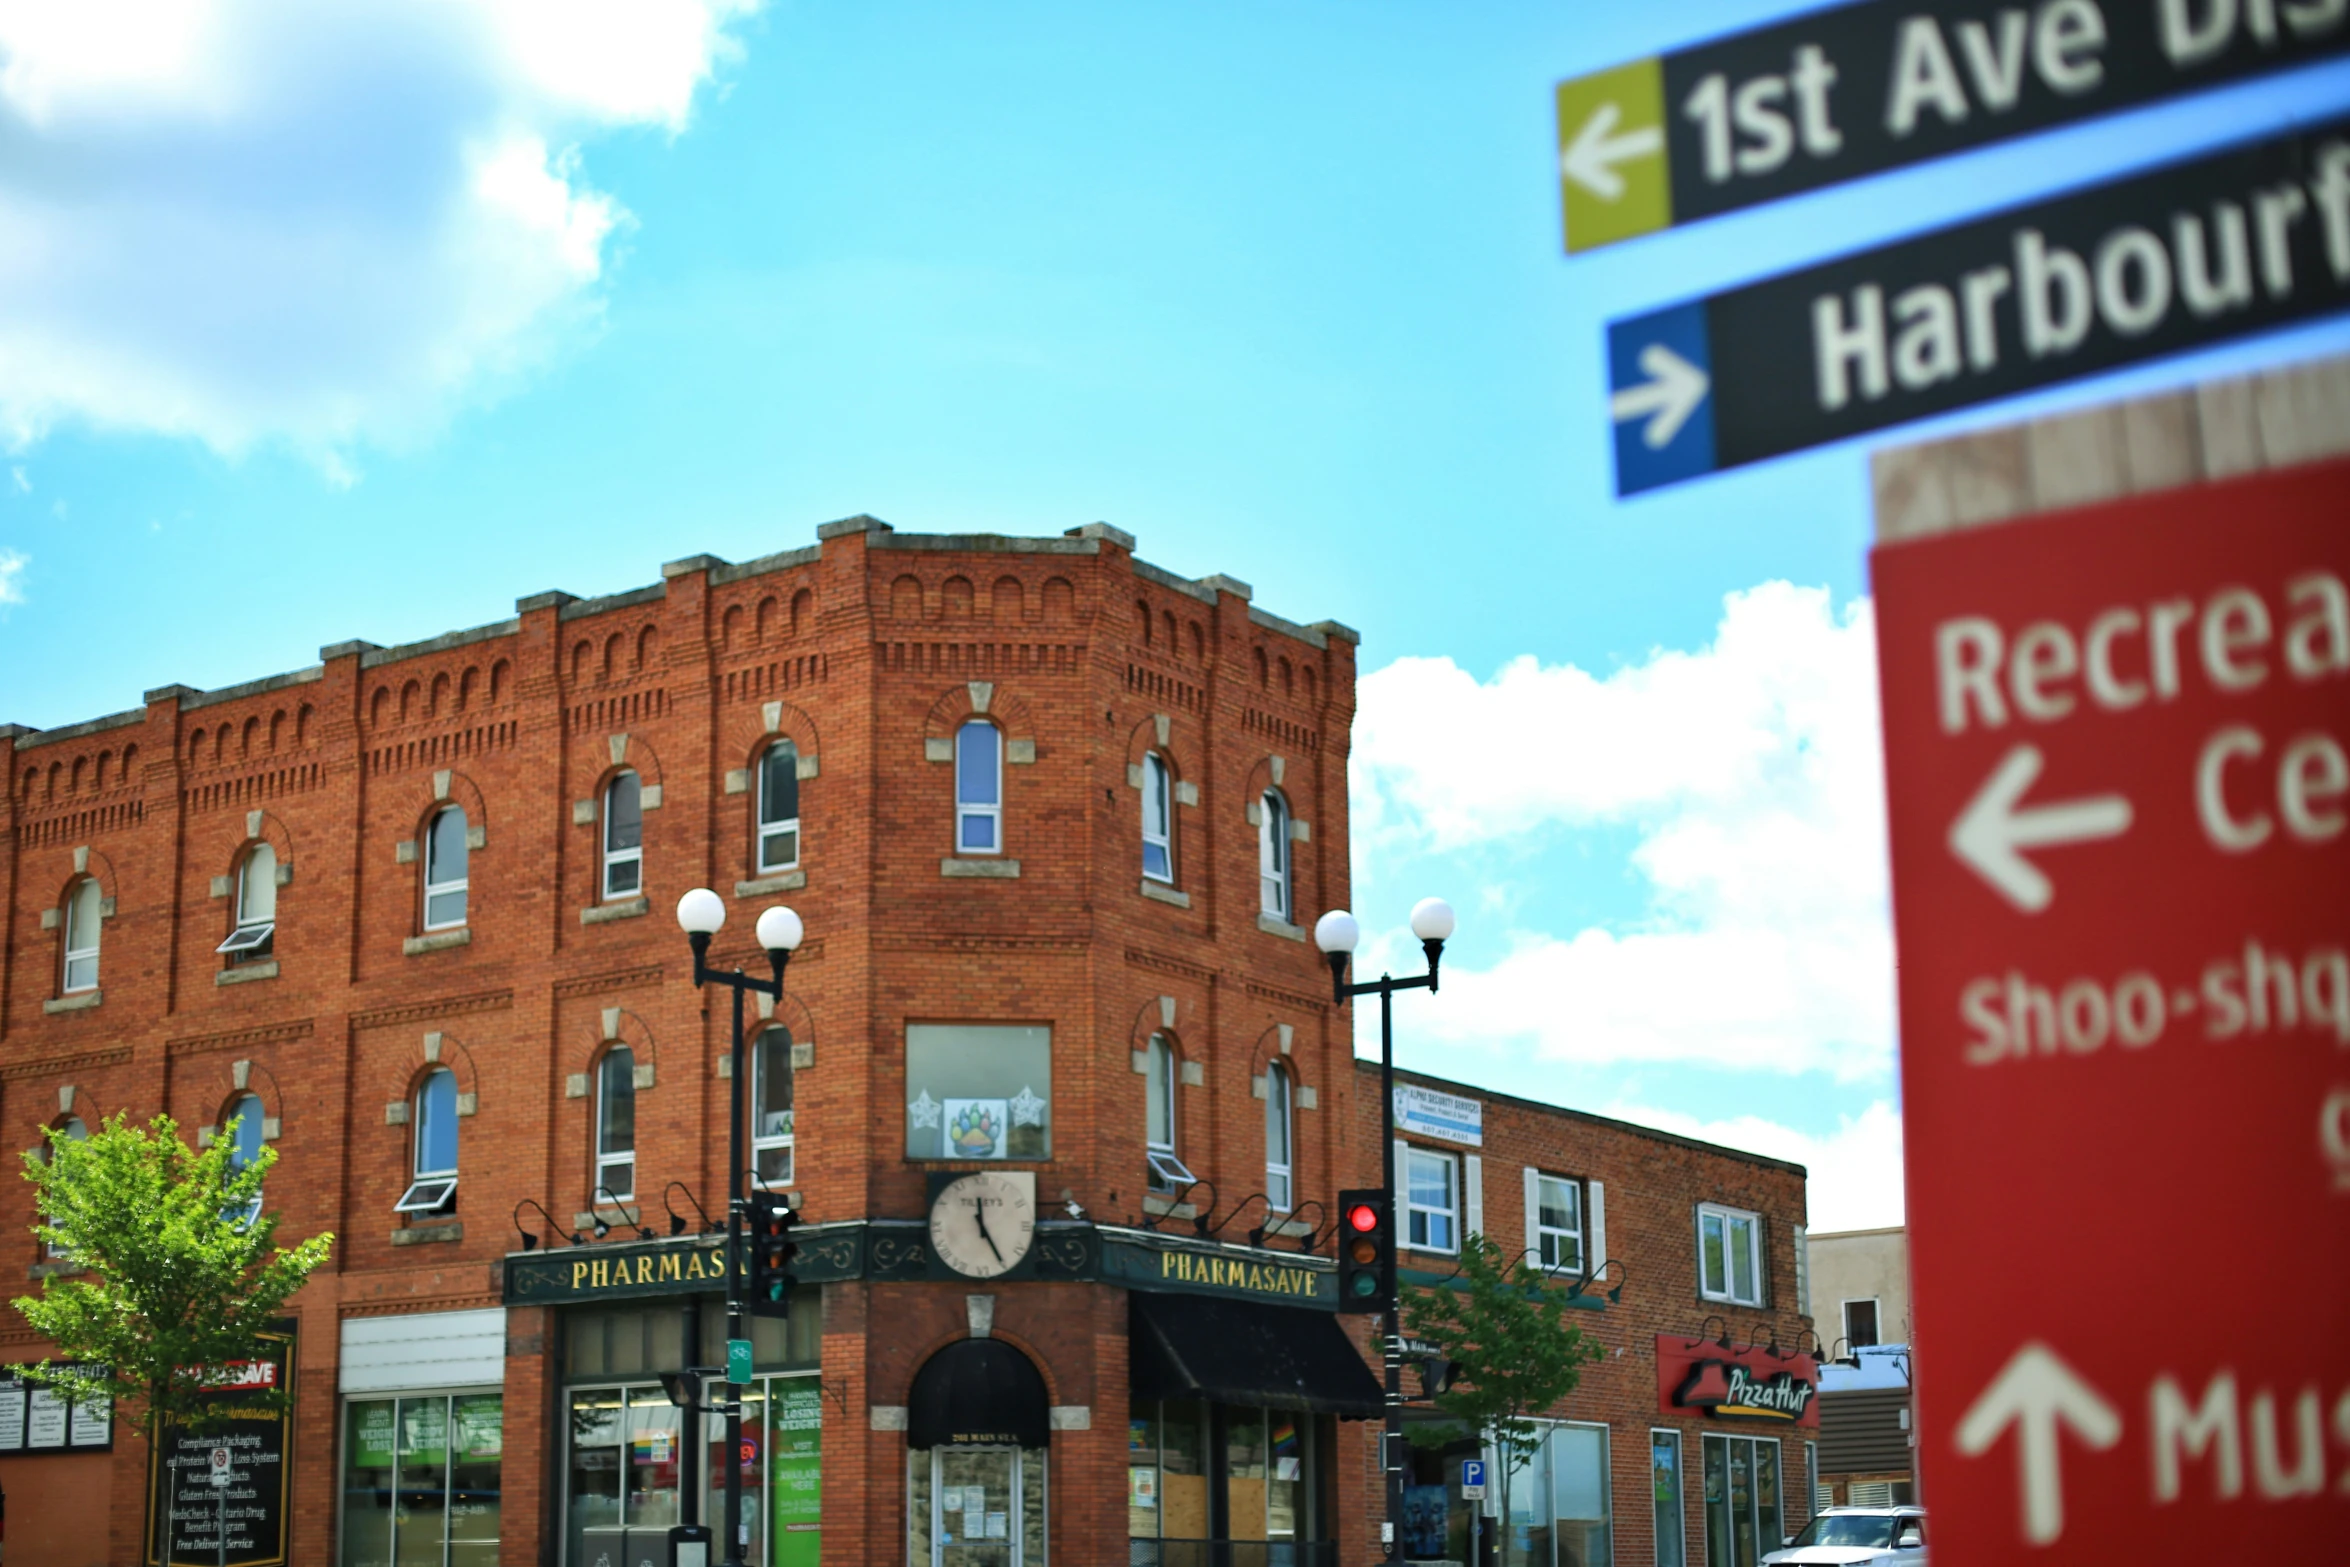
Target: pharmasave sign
{"points": [[1696, 1376]]}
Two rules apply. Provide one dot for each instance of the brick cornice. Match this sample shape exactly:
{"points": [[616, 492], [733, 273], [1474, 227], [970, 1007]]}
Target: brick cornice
{"points": [[449, 1006], [76, 1061], [266, 1034]]}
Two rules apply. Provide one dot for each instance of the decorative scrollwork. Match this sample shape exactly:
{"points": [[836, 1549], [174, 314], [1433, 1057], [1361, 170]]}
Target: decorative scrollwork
{"points": [[898, 1257], [832, 1257], [1063, 1256]]}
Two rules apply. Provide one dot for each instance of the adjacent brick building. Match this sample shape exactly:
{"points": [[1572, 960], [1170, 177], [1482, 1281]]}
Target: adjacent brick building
{"points": [[1055, 820]]}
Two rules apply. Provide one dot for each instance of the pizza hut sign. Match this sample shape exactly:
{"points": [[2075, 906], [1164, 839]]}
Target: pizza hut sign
{"points": [[1696, 1376]]}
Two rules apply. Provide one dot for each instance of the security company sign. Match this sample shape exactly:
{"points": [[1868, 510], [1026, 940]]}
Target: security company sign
{"points": [[2118, 759], [1842, 93], [2199, 252]]}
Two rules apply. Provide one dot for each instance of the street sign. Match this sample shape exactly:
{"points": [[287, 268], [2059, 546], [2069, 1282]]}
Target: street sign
{"points": [[1472, 1479], [1838, 94], [2199, 252], [738, 1361], [2118, 764]]}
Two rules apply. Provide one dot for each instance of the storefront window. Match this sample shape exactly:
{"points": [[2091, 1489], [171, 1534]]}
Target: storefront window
{"points": [[1741, 1499], [1664, 1463], [624, 1494], [421, 1480], [1556, 1514], [1244, 1473], [1198, 1472], [978, 1091]]}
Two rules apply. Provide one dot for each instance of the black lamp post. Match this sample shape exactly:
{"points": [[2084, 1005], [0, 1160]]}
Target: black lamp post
{"points": [[1336, 933], [701, 912]]}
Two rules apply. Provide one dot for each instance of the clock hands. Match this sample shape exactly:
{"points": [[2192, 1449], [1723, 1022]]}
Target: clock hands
{"points": [[979, 1212]]}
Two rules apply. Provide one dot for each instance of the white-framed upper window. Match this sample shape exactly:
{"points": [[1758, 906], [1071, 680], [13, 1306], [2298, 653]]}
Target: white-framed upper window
{"points": [[624, 836], [771, 1109], [1431, 1200], [74, 1127], [1860, 1323], [84, 915], [445, 853], [434, 1117], [979, 788], [1558, 1222], [1279, 1191], [1273, 856], [1158, 820], [1162, 1070], [779, 808], [616, 1125], [1729, 1255], [256, 927], [245, 1139]]}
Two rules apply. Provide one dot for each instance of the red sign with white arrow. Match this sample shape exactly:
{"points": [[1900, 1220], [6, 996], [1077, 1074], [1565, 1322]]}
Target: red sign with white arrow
{"points": [[2118, 759]]}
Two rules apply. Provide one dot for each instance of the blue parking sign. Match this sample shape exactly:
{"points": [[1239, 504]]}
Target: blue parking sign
{"points": [[1472, 1479]]}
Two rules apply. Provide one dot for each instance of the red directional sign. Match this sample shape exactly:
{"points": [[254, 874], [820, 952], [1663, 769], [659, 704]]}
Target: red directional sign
{"points": [[2118, 755]]}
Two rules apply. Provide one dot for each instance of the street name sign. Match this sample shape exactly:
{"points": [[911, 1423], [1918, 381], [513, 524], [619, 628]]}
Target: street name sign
{"points": [[1838, 94], [2117, 747], [2194, 253]]}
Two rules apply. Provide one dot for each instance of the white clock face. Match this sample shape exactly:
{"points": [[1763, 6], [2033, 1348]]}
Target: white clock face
{"points": [[981, 1224]]}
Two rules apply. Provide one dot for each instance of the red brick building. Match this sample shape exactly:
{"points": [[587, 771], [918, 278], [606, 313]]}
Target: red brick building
{"points": [[1055, 820]]}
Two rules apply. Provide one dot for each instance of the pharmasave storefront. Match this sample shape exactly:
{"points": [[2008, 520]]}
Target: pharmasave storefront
{"points": [[1240, 1373]]}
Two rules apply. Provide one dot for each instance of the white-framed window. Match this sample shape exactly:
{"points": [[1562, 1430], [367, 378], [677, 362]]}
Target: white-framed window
{"points": [[434, 1119], [245, 1140], [74, 1127], [624, 836], [445, 853], [84, 915], [1158, 820], [1729, 1255], [1558, 1223], [1273, 895], [616, 1125], [256, 927], [1168, 1173], [1860, 1323], [779, 808], [979, 788], [1279, 1190], [771, 1108], [1431, 1200]]}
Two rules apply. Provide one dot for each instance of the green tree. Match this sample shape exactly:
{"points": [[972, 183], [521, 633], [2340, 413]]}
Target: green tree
{"points": [[177, 1269], [1505, 1326]]}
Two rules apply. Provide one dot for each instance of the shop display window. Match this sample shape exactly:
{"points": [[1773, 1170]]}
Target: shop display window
{"points": [[1664, 1461], [421, 1480], [1742, 1520], [1556, 1513], [1203, 1478], [979, 1091]]}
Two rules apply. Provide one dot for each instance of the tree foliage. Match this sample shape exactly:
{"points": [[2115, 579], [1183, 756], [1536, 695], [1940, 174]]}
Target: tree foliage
{"points": [[174, 1275], [1505, 1326]]}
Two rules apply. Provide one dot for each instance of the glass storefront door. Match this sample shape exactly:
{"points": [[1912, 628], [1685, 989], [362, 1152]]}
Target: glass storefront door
{"points": [[626, 1446], [976, 1507], [420, 1480], [1741, 1499]]}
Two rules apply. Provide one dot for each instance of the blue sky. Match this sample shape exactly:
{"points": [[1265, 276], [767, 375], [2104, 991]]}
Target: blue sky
{"points": [[364, 327]]}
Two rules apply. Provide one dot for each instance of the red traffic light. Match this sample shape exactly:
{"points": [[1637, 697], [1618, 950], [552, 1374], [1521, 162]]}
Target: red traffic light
{"points": [[1362, 1218]]}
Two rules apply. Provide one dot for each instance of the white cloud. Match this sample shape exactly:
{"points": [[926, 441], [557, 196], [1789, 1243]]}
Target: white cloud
{"points": [[18, 477], [1748, 772], [1854, 1172], [12, 565], [248, 220]]}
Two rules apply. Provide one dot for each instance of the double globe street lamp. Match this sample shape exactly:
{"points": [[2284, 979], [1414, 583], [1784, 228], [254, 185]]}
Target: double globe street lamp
{"points": [[701, 913], [1337, 933]]}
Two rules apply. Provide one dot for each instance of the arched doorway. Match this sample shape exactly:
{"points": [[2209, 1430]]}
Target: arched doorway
{"points": [[977, 1424]]}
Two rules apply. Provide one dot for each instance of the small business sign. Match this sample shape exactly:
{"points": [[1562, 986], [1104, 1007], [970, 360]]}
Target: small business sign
{"points": [[191, 1509], [2203, 251], [42, 1418], [1472, 1479], [1433, 1114], [1838, 94], [1750, 1386]]}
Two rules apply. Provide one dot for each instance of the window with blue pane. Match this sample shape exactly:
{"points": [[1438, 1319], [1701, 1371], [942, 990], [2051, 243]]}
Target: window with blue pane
{"points": [[446, 854], [1431, 1201], [979, 789], [244, 1129], [434, 1118]]}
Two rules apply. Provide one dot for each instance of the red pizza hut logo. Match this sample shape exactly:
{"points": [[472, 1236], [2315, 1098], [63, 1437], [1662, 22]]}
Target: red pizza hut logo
{"points": [[1728, 1391]]}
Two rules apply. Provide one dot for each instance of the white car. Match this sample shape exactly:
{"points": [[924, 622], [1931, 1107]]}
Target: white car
{"points": [[1839, 1536]]}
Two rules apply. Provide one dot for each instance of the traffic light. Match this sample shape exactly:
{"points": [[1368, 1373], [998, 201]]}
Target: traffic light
{"points": [[772, 1251], [1365, 1239]]}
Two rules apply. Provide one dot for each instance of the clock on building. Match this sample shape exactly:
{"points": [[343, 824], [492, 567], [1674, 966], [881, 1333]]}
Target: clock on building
{"points": [[981, 1224]]}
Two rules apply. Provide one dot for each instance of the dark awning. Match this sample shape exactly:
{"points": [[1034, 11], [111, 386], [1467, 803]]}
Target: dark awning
{"points": [[1245, 1352], [978, 1392]]}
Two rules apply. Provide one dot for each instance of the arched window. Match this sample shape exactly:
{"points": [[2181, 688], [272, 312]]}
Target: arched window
{"points": [[245, 1144], [624, 837], [771, 1109], [979, 789], [444, 871], [1273, 855], [434, 1188], [84, 908], [256, 930], [616, 1124], [779, 808], [1160, 1075], [74, 1127], [1158, 820], [1277, 1140]]}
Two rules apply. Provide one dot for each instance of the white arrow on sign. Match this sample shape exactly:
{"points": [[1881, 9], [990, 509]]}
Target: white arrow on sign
{"points": [[2036, 1392], [1991, 830], [1591, 158], [1667, 398]]}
